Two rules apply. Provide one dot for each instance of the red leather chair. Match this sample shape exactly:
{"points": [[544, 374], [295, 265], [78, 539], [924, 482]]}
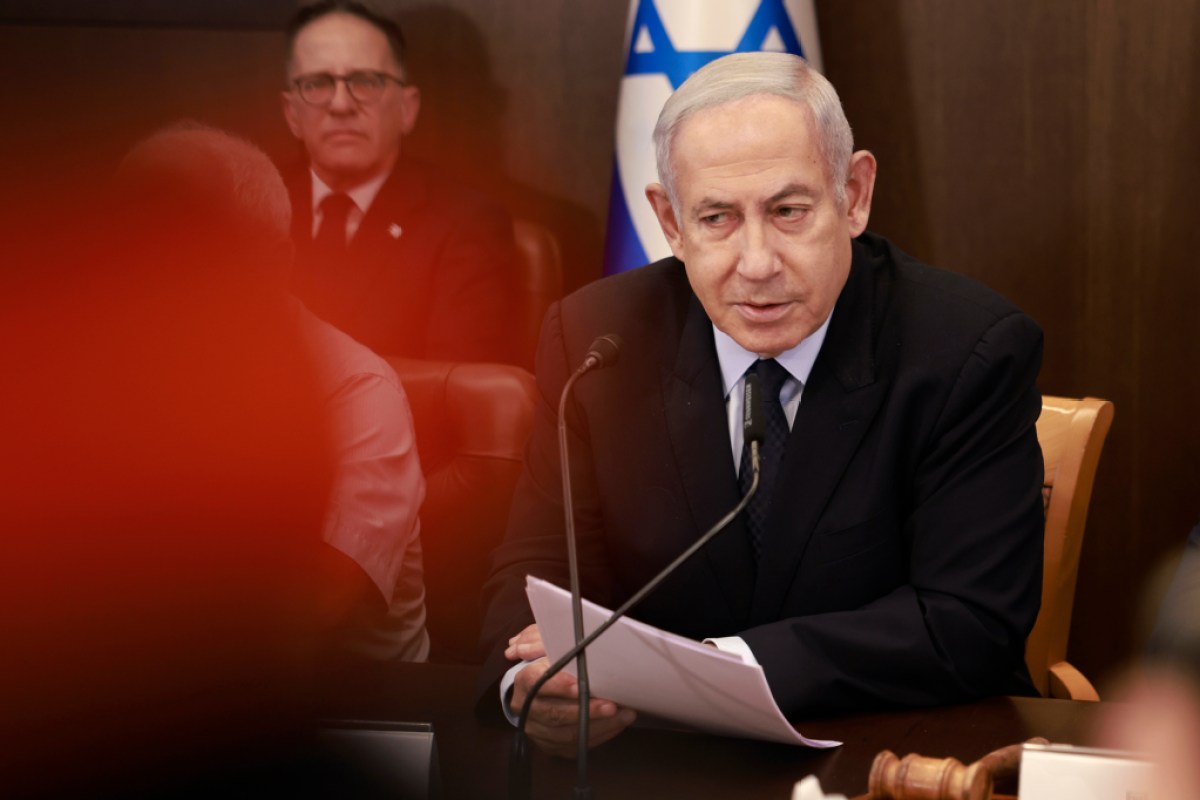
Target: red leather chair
{"points": [[472, 422], [539, 277]]}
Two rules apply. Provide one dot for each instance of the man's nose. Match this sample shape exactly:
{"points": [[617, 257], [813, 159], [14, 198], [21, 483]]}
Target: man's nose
{"points": [[757, 260], [342, 102]]}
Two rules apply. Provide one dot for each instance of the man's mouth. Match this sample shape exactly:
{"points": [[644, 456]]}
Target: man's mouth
{"points": [[761, 311], [343, 133]]}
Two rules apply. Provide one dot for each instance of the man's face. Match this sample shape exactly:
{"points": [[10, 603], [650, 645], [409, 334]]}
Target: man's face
{"points": [[765, 243], [348, 142]]}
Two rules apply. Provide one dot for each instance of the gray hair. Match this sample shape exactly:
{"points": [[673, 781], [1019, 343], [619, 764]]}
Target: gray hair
{"points": [[231, 181], [740, 75]]}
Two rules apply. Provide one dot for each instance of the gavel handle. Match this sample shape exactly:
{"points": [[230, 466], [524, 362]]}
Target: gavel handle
{"points": [[921, 778]]}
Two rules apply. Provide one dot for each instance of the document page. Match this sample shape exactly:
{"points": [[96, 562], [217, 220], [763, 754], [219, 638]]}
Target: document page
{"points": [[659, 673]]}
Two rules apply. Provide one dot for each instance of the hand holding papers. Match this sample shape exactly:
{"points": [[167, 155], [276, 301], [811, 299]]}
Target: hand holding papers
{"points": [[659, 673], [810, 789]]}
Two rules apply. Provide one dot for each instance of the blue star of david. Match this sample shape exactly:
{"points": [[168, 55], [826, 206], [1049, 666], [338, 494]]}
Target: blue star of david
{"points": [[677, 65]]}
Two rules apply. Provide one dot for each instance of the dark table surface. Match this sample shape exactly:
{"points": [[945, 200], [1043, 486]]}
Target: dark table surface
{"points": [[655, 763]]}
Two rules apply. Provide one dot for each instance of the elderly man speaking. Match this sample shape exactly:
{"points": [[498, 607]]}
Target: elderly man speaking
{"points": [[893, 553]]}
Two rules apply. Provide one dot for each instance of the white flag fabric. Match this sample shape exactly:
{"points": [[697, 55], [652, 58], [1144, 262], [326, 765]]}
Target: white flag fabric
{"points": [[666, 41]]}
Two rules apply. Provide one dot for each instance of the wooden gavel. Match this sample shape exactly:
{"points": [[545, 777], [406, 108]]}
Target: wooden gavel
{"points": [[917, 777]]}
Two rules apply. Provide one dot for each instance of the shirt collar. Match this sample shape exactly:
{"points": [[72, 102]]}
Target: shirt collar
{"points": [[363, 195], [735, 359]]}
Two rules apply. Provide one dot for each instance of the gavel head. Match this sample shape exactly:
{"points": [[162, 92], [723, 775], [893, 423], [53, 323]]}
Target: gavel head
{"points": [[919, 778]]}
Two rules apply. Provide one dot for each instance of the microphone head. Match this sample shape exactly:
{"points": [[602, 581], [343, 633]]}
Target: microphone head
{"points": [[604, 351], [753, 421]]}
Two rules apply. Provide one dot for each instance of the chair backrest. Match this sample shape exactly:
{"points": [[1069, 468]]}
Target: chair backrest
{"points": [[472, 422], [1071, 433], [539, 261]]}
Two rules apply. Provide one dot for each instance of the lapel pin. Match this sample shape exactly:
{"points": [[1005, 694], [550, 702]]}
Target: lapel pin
{"points": [[395, 230]]}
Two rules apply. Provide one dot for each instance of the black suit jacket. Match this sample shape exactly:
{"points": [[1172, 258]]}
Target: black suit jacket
{"points": [[902, 561], [429, 273]]}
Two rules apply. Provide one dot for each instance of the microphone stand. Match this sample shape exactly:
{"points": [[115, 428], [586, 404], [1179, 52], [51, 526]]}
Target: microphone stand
{"points": [[557, 666], [583, 791], [520, 779], [602, 353]]}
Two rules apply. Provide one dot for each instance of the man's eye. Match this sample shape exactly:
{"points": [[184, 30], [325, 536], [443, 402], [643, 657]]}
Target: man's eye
{"points": [[364, 80], [715, 219], [790, 212]]}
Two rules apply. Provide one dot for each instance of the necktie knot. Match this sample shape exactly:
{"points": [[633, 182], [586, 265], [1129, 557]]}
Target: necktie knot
{"points": [[337, 204], [772, 374], [334, 210]]}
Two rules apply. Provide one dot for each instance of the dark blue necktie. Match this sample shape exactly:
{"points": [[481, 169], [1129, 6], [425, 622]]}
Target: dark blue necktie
{"points": [[331, 236], [772, 376]]}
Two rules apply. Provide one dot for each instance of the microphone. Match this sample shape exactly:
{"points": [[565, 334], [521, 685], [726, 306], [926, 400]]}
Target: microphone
{"points": [[753, 422], [753, 430], [602, 353]]}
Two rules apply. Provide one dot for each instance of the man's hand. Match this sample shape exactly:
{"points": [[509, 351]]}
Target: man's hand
{"points": [[553, 722]]}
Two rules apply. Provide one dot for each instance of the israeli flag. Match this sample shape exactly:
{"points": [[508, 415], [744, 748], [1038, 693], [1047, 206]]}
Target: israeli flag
{"points": [[666, 41]]}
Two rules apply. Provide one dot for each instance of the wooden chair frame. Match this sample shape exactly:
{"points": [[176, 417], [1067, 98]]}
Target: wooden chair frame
{"points": [[1071, 433]]}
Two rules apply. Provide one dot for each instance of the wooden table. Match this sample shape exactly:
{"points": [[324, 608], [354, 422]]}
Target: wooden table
{"points": [[649, 763]]}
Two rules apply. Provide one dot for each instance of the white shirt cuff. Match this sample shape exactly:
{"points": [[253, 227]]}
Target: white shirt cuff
{"points": [[506, 686], [736, 645]]}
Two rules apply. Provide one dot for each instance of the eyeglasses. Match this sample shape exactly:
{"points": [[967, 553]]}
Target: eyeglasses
{"points": [[365, 86]]}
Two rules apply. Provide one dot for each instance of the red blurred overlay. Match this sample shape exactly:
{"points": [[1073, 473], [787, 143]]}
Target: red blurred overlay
{"points": [[162, 486]]}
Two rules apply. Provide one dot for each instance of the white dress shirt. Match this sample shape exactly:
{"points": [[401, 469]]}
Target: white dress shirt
{"points": [[377, 490], [734, 360], [363, 196]]}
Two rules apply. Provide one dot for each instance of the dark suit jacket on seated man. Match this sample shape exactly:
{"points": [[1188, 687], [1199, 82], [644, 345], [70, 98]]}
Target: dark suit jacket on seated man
{"points": [[901, 557], [409, 264]]}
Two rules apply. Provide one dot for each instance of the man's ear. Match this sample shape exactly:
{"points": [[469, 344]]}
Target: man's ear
{"points": [[289, 113], [656, 193], [410, 108], [860, 188]]}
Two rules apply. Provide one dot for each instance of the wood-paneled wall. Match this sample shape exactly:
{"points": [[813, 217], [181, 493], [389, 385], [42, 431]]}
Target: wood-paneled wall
{"points": [[1049, 149], [1052, 150]]}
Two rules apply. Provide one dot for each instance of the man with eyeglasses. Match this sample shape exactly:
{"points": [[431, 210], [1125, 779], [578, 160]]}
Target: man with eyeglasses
{"points": [[386, 249]]}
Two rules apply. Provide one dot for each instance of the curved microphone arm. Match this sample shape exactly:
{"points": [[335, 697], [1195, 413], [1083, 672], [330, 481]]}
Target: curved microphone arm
{"points": [[603, 353], [567, 657], [573, 563]]}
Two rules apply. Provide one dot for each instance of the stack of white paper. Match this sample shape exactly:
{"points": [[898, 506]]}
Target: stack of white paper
{"points": [[659, 673]]}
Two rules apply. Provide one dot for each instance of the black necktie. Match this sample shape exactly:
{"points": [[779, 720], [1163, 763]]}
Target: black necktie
{"points": [[772, 376], [331, 236]]}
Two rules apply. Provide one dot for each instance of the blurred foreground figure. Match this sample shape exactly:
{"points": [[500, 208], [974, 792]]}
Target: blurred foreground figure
{"points": [[1159, 715], [165, 484], [369, 592]]}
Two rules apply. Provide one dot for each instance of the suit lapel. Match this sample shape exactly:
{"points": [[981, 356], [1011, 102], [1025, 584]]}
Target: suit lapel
{"points": [[842, 396], [382, 230], [394, 208], [699, 434], [338, 289]]}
